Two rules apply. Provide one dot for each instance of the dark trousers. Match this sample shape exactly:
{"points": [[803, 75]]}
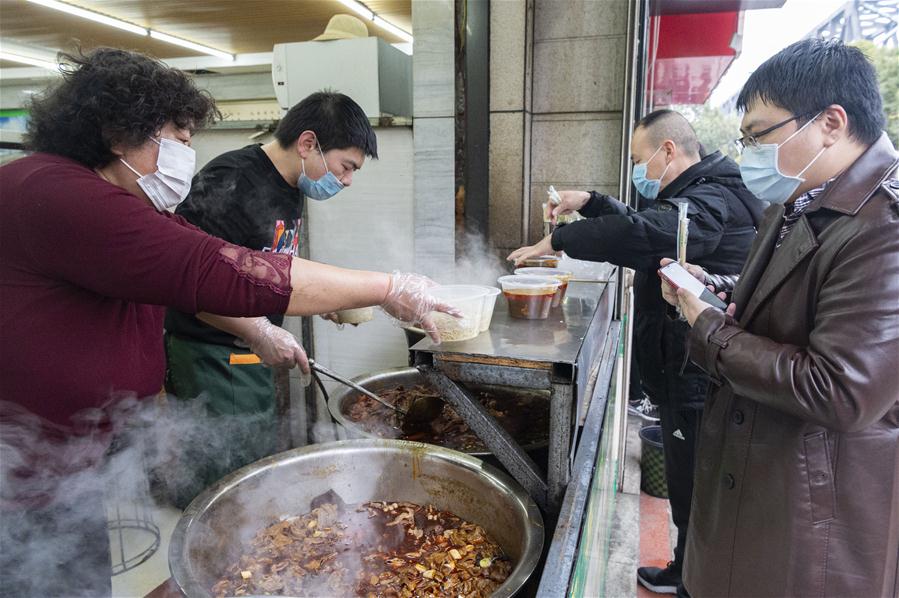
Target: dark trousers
{"points": [[680, 428], [635, 390], [232, 409]]}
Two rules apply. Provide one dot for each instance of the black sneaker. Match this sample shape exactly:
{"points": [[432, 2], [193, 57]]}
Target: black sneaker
{"points": [[660, 581], [645, 410]]}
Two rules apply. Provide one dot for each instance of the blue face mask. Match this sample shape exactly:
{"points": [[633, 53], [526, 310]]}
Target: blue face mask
{"points": [[648, 188], [761, 172], [324, 188]]}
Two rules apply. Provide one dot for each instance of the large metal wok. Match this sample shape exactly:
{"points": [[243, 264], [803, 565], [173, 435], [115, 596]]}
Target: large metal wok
{"points": [[343, 398], [217, 525]]}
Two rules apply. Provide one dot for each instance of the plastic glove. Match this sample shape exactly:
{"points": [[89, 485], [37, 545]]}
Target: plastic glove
{"points": [[333, 318], [543, 247], [409, 300], [275, 346]]}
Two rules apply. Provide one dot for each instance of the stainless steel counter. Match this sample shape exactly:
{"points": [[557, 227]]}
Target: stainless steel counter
{"points": [[557, 339], [562, 355]]}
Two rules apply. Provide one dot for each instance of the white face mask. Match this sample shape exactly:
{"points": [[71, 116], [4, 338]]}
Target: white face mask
{"points": [[170, 184]]}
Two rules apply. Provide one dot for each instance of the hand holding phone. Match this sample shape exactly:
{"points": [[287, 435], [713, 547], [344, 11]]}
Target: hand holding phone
{"points": [[678, 277]]}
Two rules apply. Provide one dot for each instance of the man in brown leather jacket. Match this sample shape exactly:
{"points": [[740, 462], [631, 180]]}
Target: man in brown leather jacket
{"points": [[797, 474]]}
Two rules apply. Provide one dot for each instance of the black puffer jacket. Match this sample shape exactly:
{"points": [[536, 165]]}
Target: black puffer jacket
{"points": [[723, 215]]}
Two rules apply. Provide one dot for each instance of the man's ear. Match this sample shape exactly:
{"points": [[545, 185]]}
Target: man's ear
{"points": [[834, 123], [306, 143], [671, 150]]}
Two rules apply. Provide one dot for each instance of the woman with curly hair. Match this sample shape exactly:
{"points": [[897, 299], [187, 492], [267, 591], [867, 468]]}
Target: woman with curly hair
{"points": [[89, 260]]}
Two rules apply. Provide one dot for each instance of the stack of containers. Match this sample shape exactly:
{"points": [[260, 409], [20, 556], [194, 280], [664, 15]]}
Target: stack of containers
{"points": [[561, 275]]}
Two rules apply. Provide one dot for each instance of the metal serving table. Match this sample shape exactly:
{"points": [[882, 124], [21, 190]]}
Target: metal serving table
{"points": [[562, 354]]}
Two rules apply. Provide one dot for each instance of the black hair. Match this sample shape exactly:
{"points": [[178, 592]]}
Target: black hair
{"points": [[810, 75], [108, 97], [669, 124], [337, 121]]}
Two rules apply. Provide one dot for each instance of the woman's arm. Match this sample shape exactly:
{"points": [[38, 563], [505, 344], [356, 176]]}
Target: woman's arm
{"points": [[118, 247], [319, 288]]}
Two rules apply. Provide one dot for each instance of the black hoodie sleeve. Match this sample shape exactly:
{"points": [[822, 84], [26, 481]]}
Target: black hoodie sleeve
{"points": [[602, 205], [639, 240]]}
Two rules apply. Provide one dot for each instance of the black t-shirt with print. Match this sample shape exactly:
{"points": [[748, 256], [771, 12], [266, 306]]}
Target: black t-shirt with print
{"points": [[242, 198]]}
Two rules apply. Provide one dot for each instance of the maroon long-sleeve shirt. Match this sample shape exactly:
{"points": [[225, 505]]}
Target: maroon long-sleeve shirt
{"points": [[86, 269]]}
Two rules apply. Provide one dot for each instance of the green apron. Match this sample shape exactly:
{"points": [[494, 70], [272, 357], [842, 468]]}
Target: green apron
{"points": [[234, 408]]}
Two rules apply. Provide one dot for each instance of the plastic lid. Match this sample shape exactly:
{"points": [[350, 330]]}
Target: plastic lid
{"points": [[543, 260], [555, 272], [458, 292], [518, 281], [477, 288]]}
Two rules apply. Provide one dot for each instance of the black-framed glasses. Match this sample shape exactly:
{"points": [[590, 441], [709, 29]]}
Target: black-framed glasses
{"points": [[753, 140]]}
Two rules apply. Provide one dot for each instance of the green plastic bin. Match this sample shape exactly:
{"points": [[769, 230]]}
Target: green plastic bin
{"points": [[652, 462]]}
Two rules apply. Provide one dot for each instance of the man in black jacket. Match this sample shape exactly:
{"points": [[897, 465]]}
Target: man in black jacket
{"points": [[723, 216]]}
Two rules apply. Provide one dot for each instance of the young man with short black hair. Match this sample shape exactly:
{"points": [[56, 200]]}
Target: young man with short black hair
{"points": [[797, 472], [254, 197]]}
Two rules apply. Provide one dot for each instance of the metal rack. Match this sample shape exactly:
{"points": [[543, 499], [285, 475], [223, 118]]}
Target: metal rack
{"points": [[134, 535], [564, 355]]}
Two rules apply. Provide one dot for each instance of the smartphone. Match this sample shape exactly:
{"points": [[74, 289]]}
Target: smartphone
{"points": [[678, 277]]}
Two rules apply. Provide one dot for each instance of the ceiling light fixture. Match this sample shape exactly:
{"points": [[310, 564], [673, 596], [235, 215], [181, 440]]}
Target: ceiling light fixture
{"points": [[131, 27], [358, 8], [392, 29], [44, 64], [368, 15], [93, 16], [165, 37]]}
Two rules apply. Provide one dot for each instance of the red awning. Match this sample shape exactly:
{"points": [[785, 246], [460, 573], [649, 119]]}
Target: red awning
{"points": [[691, 55]]}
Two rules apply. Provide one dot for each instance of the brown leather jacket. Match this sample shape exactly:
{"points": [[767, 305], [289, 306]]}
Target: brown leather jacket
{"points": [[797, 473]]}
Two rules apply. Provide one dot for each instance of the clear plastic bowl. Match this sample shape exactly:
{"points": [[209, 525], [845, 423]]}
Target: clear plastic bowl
{"points": [[529, 297], [489, 301], [487, 308], [355, 316], [468, 299], [563, 275]]}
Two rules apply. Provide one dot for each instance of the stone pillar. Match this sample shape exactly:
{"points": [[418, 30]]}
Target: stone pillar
{"points": [[511, 54], [557, 77], [433, 108]]}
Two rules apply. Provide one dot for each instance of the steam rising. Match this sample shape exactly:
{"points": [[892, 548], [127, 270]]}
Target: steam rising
{"points": [[478, 263], [56, 489]]}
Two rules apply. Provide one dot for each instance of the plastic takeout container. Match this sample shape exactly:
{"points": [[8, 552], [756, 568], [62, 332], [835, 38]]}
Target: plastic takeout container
{"points": [[563, 275], [541, 261], [489, 301], [529, 297], [469, 299], [355, 316]]}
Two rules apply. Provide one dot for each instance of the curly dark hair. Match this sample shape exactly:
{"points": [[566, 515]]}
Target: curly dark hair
{"points": [[108, 97]]}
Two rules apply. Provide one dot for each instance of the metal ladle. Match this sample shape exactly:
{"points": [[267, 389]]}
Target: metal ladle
{"points": [[422, 410]]}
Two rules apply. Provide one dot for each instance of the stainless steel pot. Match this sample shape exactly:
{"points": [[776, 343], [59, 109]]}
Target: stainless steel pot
{"points": [[340, 401], [217, 525]]}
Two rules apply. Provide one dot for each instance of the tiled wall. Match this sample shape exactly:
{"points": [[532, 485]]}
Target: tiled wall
{"points": [[556, 75]]}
